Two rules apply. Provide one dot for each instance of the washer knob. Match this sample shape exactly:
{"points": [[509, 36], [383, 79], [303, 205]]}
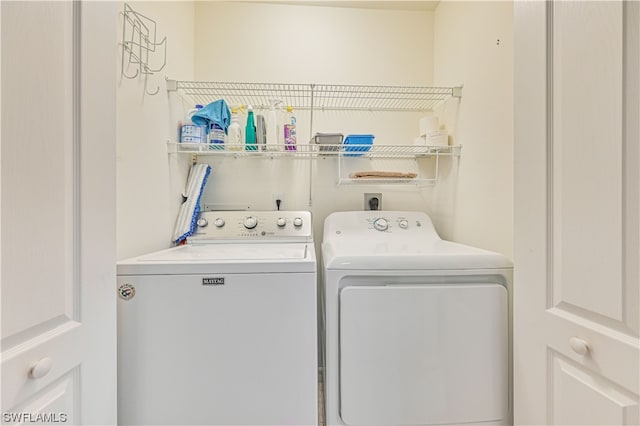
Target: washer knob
{"points": [[219, 222], [281, 222], [404, 224], [297, 221], [250, 222], [381, 224], [202, 222]]}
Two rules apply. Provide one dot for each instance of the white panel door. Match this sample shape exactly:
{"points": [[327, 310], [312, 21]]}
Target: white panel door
{"points": [[419, 355], [57, 192], [577, 155]]}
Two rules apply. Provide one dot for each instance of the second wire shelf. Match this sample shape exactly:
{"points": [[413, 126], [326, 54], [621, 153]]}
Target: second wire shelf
{"points": [[317, 150]]}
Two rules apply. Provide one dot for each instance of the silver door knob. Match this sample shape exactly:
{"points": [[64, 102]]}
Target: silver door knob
{"points": [[579, 346], [41, 368]]}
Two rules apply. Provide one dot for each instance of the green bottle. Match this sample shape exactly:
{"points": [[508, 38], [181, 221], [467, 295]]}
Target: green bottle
{"points": [[250, 132]]}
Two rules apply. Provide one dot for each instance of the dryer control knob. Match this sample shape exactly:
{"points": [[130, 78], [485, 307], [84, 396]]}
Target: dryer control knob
{"points": [[281, 222], [250, 222], [219, 222], [381, 224], [202, 222], [404, 224], [297, 221]]}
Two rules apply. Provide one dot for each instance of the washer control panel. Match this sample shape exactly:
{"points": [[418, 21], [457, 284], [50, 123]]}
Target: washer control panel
{"points": [[253, 225]]}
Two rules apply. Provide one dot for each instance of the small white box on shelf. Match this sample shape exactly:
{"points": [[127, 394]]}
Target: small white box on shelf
{"points": [[437, 138]]}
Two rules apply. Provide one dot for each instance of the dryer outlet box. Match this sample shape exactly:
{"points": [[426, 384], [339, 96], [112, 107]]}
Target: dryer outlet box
{"points": [[372, 201]]}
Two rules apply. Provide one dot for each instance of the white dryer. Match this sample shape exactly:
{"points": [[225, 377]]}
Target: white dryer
{"points": [[417, 329], [222, 330]]}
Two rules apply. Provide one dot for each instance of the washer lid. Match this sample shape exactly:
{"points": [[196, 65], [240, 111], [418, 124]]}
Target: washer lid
{"points": [[224, 258], [387, 240]]}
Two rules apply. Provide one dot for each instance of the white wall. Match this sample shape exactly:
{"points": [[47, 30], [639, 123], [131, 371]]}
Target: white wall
{"points": [[242, 41], [476, 207], [148, 183], [313, 44]]}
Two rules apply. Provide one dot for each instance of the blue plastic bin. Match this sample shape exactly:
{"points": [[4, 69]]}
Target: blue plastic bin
{"points": [[360, 143]]}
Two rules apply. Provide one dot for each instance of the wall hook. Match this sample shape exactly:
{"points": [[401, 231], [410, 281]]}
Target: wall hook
{"points": [[139, 45]]}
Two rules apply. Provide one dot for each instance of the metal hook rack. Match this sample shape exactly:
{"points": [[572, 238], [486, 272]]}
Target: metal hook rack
{"points": [[139, 43]]}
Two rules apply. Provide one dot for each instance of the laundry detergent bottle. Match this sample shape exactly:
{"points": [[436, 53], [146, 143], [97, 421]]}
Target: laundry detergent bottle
{"points": [[250, 131], [191, 133], [290, 139], [235, 140]]}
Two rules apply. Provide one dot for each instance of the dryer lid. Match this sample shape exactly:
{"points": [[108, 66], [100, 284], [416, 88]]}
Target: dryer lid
{"points": [[388, 240], [441, 255]]}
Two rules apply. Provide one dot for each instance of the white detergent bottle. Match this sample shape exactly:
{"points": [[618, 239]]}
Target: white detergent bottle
{"points": [[189, 132], [273, 129], [235, 140]]}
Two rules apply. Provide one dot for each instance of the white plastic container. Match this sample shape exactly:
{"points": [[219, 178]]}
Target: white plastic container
{"points": [[191, 133], [235, 139], [273, 128]]}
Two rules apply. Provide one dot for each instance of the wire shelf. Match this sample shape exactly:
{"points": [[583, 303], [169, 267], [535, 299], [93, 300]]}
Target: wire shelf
{"points": [[318, 96], [388, 181], [256, 94], [380, 98], [319, 150]]}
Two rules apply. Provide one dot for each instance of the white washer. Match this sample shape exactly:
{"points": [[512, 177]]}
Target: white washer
{"points": [[222, 330], [417, 329]]}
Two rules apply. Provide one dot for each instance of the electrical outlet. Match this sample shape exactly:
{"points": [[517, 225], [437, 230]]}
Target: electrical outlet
{"points": [[278, 205], [372, 201]]}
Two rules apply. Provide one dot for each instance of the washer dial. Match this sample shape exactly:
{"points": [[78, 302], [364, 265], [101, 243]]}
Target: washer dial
{"points": [[250, 222], [381, 224]]}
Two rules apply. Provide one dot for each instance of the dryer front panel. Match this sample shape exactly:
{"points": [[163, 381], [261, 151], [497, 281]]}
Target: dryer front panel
{"points": [[423, 354]]}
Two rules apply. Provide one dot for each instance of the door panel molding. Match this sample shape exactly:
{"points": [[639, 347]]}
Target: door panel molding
{"points": [[56, 402], [40, 165], [630, 160], [602, 400], [580, 224], [582, 316], [76, 158], [16, 383]]}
